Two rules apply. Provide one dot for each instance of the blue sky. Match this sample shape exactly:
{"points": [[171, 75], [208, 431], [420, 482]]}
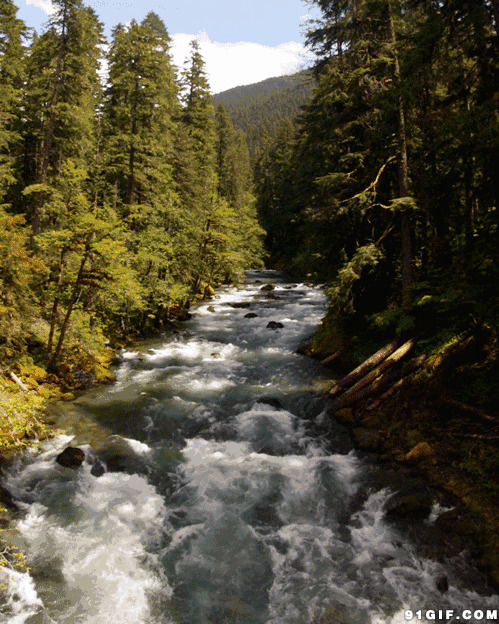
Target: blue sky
{"points": [[241, 41]]}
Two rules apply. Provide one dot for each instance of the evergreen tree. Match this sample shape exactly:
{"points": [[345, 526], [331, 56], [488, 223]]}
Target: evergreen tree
{"points": [[12, 57], [140, 130], [61, 97]]}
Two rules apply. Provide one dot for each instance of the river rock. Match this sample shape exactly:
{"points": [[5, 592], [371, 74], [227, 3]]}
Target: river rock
{"points": [[71, 457], [268, 287], [442, 584], [419, 453], [119, 456], [345, 416], [250, 315], [274, 325], [6, 498], [410, 502], [98, 468], [210, 308], [124, 463], [240, 304]]}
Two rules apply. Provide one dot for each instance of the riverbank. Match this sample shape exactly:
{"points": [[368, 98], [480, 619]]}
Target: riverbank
{"points": [[232, 410], [438, 421]]}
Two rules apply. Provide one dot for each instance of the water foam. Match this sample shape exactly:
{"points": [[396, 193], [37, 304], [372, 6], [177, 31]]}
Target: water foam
{"points": [[94, 537]]}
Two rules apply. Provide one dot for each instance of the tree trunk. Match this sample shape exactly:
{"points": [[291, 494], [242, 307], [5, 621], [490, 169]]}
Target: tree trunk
{"points": [[72, 301], [402, 168], [55, 305], [387, 377], [49, 134], [365, 367], [388, 363]]}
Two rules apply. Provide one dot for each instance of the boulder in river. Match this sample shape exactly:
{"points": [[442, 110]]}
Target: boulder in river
{"points": [[409, 502], [274, 325], [119, 455], [71, 457], [6, 498], [268, 287], [240, 304], [251, 315]]}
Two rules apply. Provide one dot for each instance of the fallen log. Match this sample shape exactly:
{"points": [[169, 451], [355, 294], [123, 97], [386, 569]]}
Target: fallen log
{"points": [[407, 369], [351, 398], [386, 363], [16, 380], [331, 358], [365, 367], [389, 377], [467, 409]]}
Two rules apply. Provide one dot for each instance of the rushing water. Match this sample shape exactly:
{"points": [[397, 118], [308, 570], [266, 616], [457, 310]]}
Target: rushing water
{"points": [[211, 494]]}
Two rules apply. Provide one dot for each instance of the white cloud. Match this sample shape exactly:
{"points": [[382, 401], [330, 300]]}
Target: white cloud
{"points": [[234, 64], [44, 5]]}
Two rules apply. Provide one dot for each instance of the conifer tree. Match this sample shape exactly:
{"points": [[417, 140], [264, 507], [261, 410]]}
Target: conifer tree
{"points": [[61, 96], [140, 129], [12, 65]]}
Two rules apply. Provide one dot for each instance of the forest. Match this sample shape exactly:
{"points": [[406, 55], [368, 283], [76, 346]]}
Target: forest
{"points": [[386, 190], [123, 195]]}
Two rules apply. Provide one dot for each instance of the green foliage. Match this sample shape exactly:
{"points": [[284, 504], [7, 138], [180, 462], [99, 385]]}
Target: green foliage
{"points": [[18, 272], [340, 294], [134, 194], [394, 320], [257, 110]]}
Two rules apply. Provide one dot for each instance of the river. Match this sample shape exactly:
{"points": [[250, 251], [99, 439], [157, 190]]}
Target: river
{"points": [[216, 490]]}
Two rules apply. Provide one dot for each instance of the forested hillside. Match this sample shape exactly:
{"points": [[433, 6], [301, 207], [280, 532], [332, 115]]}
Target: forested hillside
{"points": [[388, 192], [260, 109], [119, 201], [388, 188]]}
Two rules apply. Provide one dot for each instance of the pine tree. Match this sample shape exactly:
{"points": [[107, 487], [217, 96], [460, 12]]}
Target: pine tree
{"points": [[139, 133], [61, 96], [12, 57]]}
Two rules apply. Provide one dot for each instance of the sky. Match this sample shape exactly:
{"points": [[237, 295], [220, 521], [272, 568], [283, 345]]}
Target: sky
{"points": [[242, 41]]}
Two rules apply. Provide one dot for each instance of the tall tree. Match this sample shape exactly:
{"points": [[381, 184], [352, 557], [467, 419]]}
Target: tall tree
{"points": [[61, 96], [140, 128], [12, 67]]}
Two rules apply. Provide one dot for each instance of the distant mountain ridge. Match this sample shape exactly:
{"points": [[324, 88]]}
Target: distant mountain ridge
{"points": [[259, 109]]}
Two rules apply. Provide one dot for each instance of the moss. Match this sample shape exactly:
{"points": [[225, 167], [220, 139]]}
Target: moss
{"points": [[329, 338]]}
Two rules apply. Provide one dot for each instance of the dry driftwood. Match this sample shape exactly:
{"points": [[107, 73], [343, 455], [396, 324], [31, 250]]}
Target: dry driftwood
{"points": [[407, 369], [365, 367], [16, 380], [351, 398]]}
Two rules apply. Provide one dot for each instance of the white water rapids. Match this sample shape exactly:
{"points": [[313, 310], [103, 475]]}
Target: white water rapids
{"points": [[210, 493]]}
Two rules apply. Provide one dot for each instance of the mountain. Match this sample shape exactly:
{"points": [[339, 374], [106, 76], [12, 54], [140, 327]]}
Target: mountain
{"points": [[260, 108]]}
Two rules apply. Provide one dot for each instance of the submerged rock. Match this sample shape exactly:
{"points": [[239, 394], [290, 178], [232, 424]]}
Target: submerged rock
{"points": [[118, 455], [6, 498], [409, 502], [71, 457], [275, 325], [442, 584], [240, 304]]}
